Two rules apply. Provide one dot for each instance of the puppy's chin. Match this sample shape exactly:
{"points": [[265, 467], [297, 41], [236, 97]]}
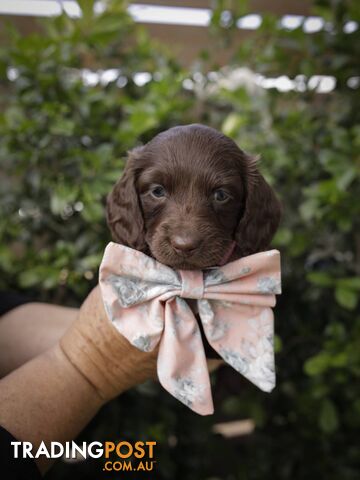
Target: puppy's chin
{"points": [[182, 265], [179, 262]]}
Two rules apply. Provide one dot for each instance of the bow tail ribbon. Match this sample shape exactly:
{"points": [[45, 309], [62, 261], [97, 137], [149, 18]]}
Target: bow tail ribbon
{"points": [[182, 365], [249, 347]]}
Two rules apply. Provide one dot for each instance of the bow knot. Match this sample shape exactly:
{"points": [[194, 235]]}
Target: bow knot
{"points": [[192, 285], [147, 303]]}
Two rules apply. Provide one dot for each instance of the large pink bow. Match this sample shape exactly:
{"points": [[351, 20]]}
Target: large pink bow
{"points": [[146, 302]]}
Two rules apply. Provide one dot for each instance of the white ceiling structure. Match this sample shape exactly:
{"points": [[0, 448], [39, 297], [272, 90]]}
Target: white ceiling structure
{"points": [[163, 14]]}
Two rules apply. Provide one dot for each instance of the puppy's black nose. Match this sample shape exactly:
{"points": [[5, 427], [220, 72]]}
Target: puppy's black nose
{"points": [[185, 243]]}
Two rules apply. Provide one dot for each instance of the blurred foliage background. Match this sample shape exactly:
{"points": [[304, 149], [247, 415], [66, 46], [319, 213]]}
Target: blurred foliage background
{"points": [[63, 138]]}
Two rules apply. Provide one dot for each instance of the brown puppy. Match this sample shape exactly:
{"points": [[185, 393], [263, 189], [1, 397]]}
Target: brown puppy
{"points": [[189, 196]]}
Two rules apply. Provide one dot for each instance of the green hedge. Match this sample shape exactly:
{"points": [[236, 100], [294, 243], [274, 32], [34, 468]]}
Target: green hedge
{"points": [[62, 145]]}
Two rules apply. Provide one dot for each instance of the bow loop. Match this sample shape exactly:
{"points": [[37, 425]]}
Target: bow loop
{"points": [[146, 301]]}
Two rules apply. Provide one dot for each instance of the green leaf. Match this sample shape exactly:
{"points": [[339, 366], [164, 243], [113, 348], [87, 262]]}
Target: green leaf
{"points": [[346, 178], [109, 24], [346, 298], [258, 414], [62, 197], [318, 364], [320, 279], [283, 237], [328, 418], [277, 344], [340, 360], [232, 405], [231, 124], [309, 209], [29, 278], [87, 8], [90, 262], [63, 126], [350, 283], [93, 212]]}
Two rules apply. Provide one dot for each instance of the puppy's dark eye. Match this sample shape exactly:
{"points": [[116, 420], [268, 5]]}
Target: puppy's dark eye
{"points": [[158, 191], [220, 196]]}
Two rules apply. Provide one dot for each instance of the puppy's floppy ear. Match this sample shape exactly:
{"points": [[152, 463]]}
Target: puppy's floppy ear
{"points": [[123, 211], [262, 213]]}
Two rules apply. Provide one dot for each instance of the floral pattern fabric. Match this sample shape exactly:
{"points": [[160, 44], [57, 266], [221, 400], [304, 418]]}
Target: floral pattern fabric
{"points": [[148, 304]]}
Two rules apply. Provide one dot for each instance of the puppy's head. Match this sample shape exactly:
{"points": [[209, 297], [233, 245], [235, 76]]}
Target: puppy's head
{"points": [[187, 195]]}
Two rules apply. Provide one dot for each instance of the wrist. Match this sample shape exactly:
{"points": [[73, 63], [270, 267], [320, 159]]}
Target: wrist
{"points": [[101, 354]]}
